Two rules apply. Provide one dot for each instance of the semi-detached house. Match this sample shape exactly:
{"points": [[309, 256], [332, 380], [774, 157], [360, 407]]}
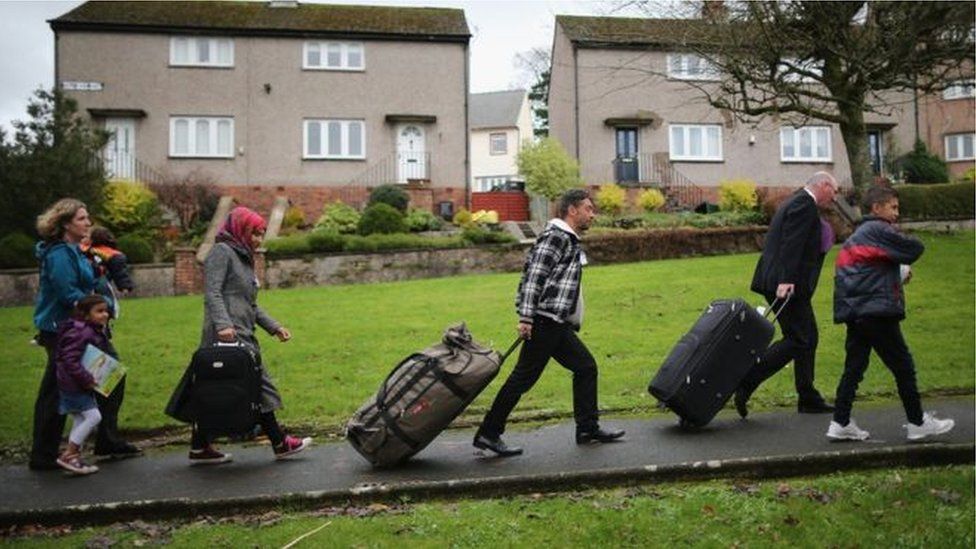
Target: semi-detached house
{"points": [[314, 102]]}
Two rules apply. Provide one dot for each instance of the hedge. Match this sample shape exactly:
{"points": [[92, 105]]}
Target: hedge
{"points": [[937, 202], [327, 241], [17, 251]]}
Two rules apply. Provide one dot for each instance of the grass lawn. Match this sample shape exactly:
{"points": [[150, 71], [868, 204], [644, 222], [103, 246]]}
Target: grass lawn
{"points": [[347, 338], [930, 507]]}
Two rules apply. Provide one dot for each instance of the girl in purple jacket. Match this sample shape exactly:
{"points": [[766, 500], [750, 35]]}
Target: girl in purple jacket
{"points": [[75, 383]]}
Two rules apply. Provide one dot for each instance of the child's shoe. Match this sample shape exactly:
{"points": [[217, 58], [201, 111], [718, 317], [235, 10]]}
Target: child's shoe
{"points": [[930, 427], [851, 431], [74, 464], [291, 446], [208, 455]]}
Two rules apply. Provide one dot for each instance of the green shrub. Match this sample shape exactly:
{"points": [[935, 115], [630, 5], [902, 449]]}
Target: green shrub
{"points": [[548, 168], [921, 166], [610, 199], [381, 218], [937, 202], [16, 251], [293, 219], [968, 177], [391, 195], [131, 208], [650, 200], [284, 246], [422, 220], [737, 195], [136, 249], [325, 241], [477, 235], [401, 241], [339, 217]]}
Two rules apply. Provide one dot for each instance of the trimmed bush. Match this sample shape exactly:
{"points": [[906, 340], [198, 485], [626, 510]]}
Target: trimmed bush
{"points": [[339, 217], [650, 200], [737, 195], [325, 241], [136, 249], [377, 242], [131, 208], [610, 199], [477, 235], [921, 166], [381, 218], [422, 220], [284, 246], [16, 251], [937, 202], [391, 195]]}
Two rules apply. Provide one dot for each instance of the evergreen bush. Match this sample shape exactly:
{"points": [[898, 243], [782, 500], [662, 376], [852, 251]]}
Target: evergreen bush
{"points": [[391, 195], [921, 166], [136, 249], [17, 251], [650, 200], [737, 195], [422, 220], [381, 218]]}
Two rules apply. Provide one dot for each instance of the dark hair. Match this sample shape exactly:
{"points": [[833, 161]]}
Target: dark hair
{"points": [[100, 236], [878, 195], [86, 304], [572, 197]]}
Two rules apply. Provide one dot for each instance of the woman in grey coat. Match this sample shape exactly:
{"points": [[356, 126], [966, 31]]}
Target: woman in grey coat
{"points": [[231, 314]]}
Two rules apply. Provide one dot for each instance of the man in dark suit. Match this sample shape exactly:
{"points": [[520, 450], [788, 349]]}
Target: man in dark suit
{"points": [[790, 267]]}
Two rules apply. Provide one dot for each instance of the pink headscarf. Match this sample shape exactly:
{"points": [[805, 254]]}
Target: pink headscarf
{"points": [[240, 225]]}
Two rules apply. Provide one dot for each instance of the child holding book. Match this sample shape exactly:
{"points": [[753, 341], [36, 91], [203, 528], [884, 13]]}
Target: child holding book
{"points": [[75, 384]]}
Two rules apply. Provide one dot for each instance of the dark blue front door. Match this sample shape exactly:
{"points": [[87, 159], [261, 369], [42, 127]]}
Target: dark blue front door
{"points": [[626, 165]]}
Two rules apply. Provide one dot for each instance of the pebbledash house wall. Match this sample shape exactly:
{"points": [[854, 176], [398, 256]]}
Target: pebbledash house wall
{"points": [[600, 83], [268, 94]]}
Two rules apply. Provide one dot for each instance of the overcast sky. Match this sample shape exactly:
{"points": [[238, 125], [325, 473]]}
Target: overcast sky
{"points": [[499, 28]]}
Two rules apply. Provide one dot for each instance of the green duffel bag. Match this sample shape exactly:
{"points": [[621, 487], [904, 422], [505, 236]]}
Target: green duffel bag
{"points": [[421, 396]]}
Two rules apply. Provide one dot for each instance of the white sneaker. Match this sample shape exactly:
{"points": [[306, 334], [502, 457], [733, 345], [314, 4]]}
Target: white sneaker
{"points": [[930, 426], [851, 431]]}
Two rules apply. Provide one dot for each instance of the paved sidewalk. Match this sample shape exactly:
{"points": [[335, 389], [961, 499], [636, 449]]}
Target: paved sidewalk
{"points": [[771, 443]]}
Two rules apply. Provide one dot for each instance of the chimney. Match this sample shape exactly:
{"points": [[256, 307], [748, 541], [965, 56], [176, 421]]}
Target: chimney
{"points": [[714, 10]]}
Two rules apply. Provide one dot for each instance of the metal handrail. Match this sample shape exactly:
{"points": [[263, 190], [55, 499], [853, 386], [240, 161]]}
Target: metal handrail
{"points": [[396, 168], [680, 191]]}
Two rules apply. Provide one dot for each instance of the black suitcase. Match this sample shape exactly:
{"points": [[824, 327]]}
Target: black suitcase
{"points": [[706, 366], [225, 388]]}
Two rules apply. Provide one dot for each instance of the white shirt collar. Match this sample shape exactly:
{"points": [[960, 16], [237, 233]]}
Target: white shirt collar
{"points": [[809, 192], [563, 226]]}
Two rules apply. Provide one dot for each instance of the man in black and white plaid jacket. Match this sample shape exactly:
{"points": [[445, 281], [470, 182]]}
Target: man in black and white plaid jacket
{"points": [[550, 309]]}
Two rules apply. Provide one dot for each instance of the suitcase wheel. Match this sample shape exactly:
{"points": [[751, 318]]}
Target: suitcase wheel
{"points": [[687, 424]]}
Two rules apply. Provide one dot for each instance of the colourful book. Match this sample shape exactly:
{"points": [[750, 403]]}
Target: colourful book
{"points": [[106, 370]]}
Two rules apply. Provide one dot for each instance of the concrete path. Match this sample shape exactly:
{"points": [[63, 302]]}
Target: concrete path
{"points": [[772, 443]]}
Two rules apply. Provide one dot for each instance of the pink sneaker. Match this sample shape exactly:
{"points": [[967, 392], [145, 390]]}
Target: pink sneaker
{"points": [[74, 464], [291, 446]]}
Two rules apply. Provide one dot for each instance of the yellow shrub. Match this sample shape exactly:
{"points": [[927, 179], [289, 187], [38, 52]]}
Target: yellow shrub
{"points": [[650, 200], [610, 198], [462, 218], [481, 216], [130, 208], [293, 219], [737, 195]]}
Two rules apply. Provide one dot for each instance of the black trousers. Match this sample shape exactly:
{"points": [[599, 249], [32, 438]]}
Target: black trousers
{"points": [[550, 339], [49, 424], [884, 336], [269, 424], [799, 344]]}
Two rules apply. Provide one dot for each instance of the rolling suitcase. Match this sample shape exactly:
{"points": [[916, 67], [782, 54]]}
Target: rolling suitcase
{"points": [[421, 396], [225, 388], [707, 364]]}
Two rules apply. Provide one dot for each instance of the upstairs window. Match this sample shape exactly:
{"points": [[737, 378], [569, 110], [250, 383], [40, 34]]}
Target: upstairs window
{"points": [[334, 139], [498, 143], [696, 142], [688, 66], [201, 137], [800, 70], [960, 90], [199, 51], [807, 144], [959, 147], [335, 56]]}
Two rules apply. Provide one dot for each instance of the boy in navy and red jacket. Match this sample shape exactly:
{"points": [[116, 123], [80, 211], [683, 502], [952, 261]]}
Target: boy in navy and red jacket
{"points": [[871, 270], [110, 265]]}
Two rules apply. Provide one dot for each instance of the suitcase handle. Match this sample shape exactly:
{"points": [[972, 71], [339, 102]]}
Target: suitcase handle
{"points": [[772, 306], [518, 341]]}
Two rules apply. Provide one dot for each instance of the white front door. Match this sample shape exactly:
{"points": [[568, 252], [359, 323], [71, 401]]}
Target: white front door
{"points": [[411, 153], [120, 151]]}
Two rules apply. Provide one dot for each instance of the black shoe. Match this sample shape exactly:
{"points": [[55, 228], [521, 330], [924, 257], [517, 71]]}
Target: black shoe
{"points": [[43, 465], [597, 435], [814, 408], [740, 400], [122, 451], [496, 445]]}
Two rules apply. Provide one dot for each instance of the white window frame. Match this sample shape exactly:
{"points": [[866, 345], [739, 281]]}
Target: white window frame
{"points": [[960, 89], [192, 44], [796, 137], [703, 68], [344, 49], [213, 130], [686, 143], [344, 154], [799, 64], [491, 143], [960, 137]]}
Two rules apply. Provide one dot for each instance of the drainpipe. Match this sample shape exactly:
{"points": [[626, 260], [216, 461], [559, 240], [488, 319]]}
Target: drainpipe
{"points": [[575, 98], [467, 129]]}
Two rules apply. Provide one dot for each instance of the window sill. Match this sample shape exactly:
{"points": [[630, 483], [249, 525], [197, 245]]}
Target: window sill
{"points": [[698, 160], [333, 159], [192, 157], [970, 159], [214, 67], [331, 69], [807, 161]]}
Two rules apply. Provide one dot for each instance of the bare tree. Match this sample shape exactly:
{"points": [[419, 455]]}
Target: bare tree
{"points": [[534, 65], [828, 61]]}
